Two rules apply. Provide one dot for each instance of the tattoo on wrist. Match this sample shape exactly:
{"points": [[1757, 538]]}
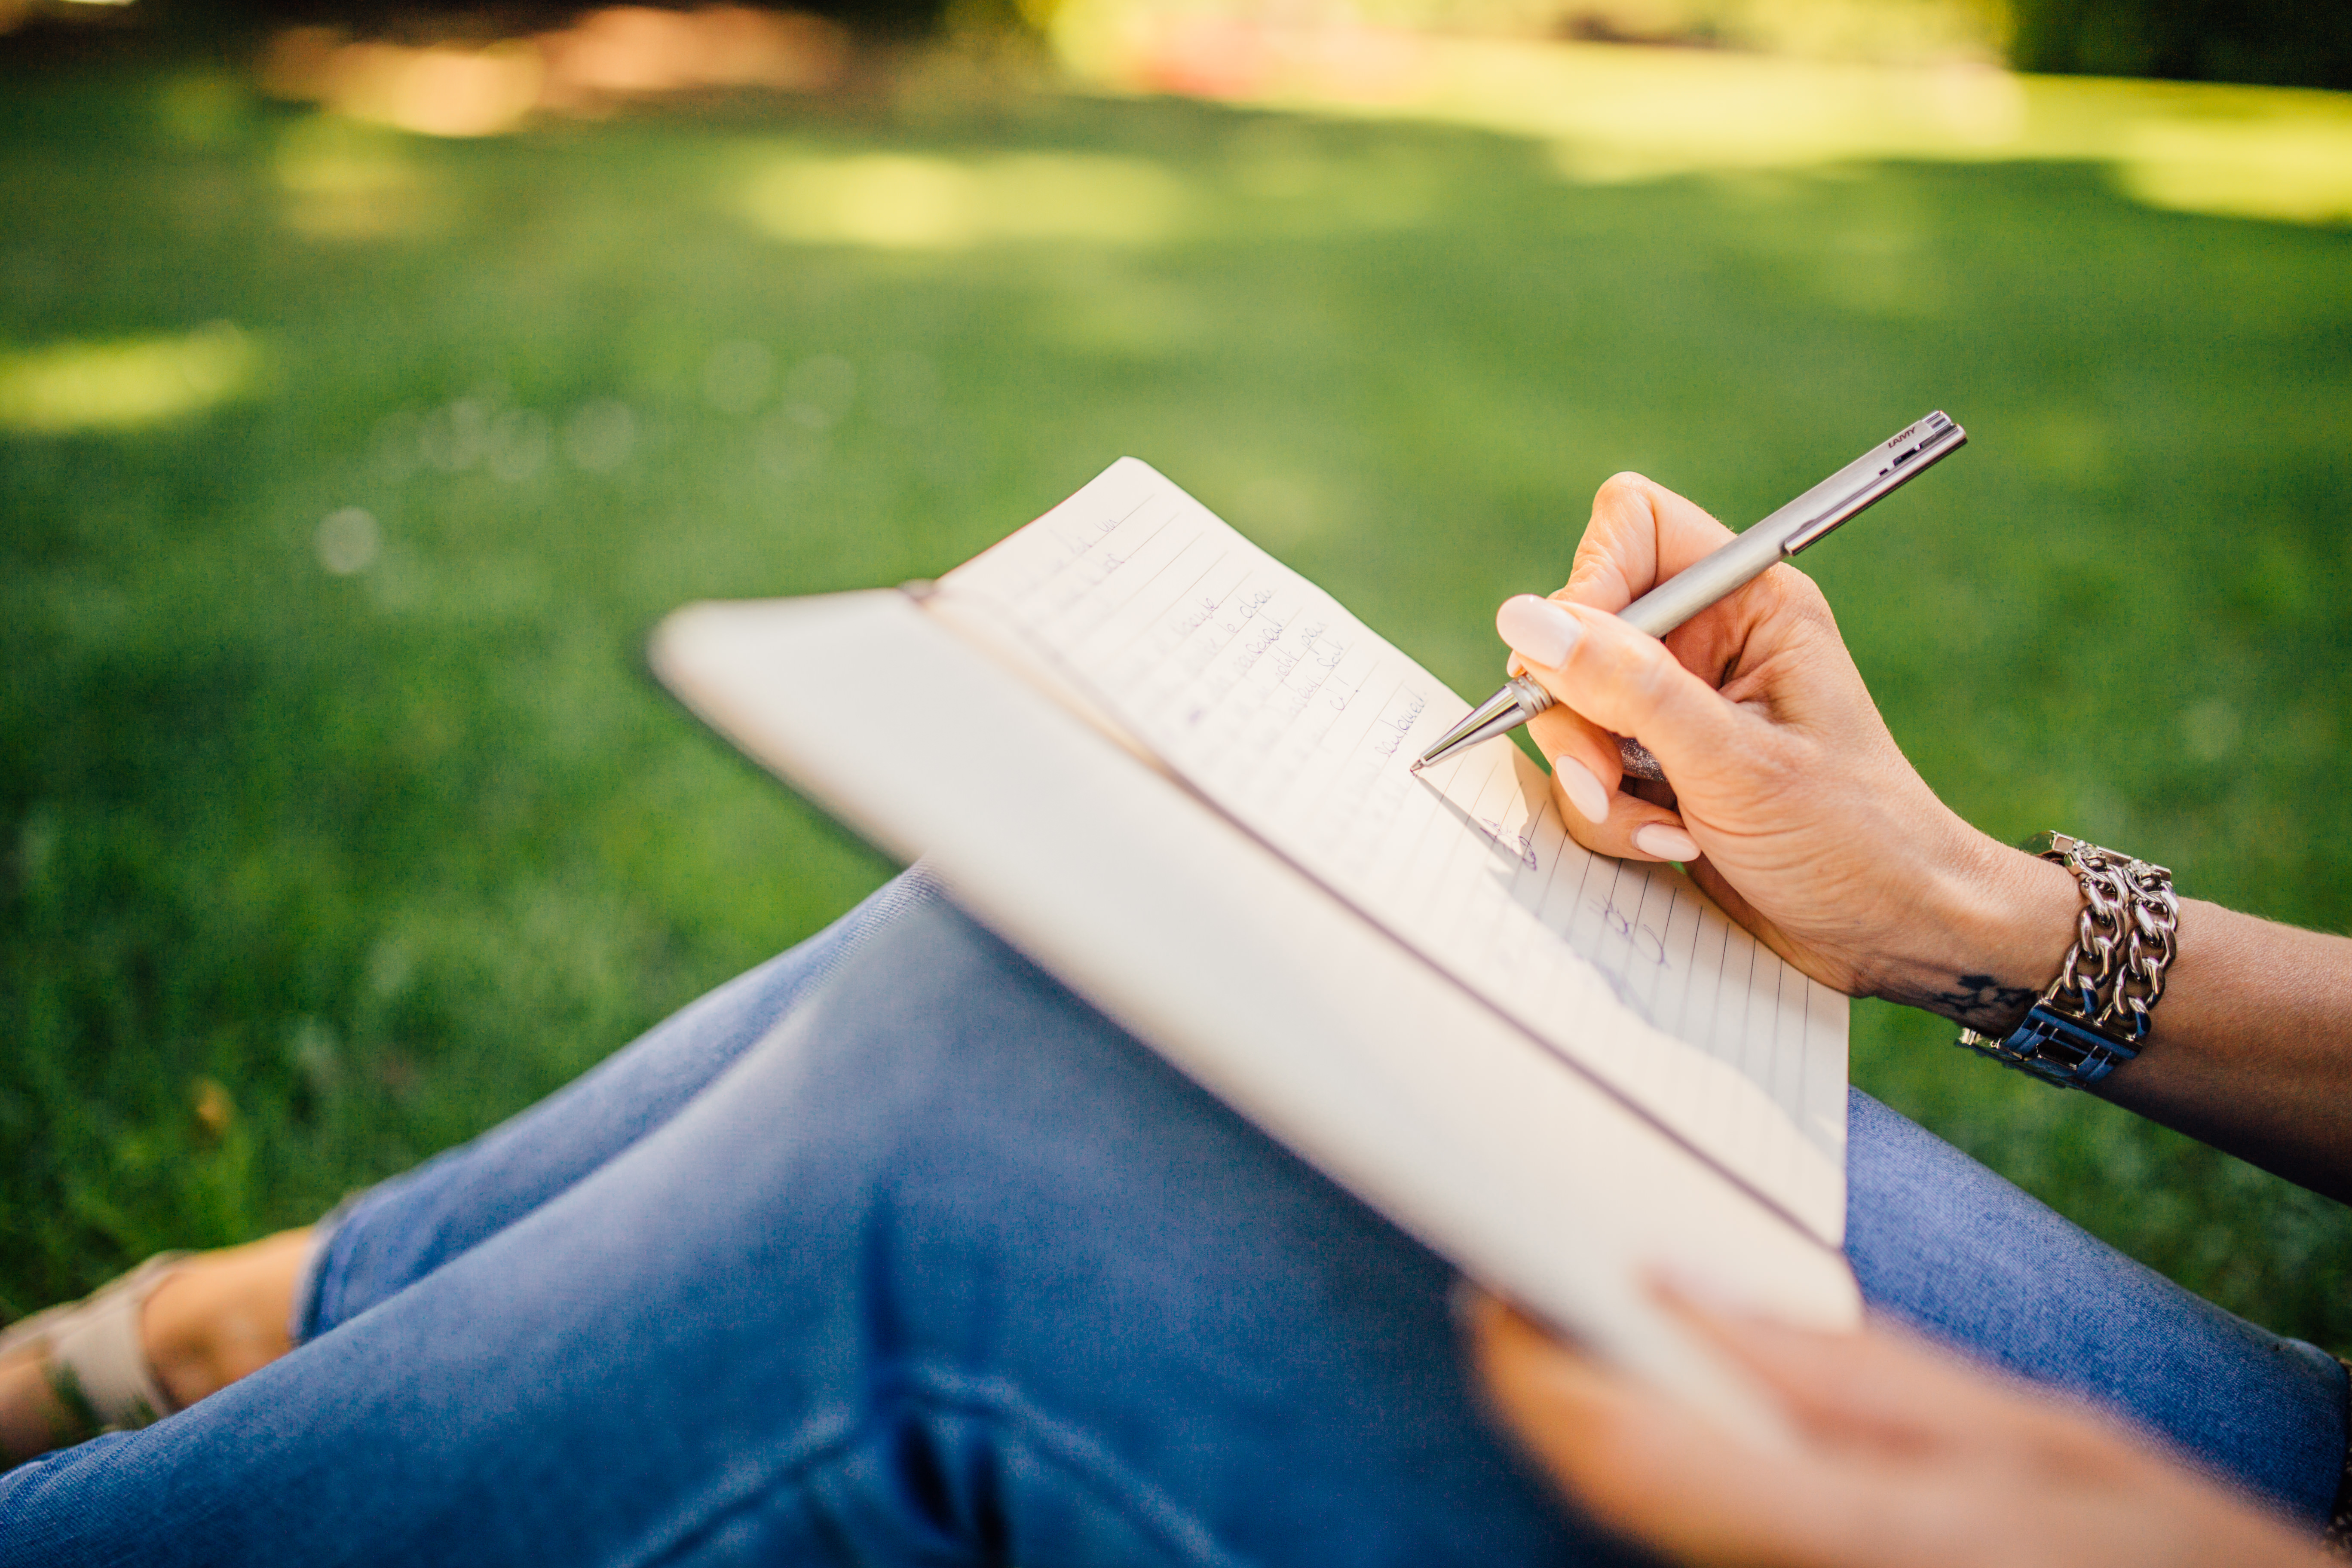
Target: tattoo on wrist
{"points": [[1979, 1000]]}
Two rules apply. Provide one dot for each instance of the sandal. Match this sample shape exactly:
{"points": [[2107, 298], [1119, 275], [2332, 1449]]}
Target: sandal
{"points": [[91, 1355]]}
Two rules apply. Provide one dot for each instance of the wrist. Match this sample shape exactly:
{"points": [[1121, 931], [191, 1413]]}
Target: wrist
{"points": [[1993, 925]]}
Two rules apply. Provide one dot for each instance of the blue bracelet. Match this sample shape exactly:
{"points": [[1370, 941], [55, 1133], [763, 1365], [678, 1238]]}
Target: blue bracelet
{"points": [[2053, 1048]]}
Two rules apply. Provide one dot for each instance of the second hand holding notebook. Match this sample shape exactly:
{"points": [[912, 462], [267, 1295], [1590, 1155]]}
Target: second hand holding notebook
{"points": [[1176, 775]]}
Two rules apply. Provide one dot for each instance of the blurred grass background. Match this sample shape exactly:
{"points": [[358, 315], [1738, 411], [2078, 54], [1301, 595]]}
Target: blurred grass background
{"points": [[343, 473]]}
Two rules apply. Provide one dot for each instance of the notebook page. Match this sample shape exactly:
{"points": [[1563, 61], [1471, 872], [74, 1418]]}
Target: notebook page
{"points": [[1263, 694]]}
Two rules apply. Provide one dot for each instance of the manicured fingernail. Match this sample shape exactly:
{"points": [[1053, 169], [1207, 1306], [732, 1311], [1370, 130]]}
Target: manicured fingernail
{"points": [[1540, 630], [1584, 790], [1666, 843], [1515, 666]]}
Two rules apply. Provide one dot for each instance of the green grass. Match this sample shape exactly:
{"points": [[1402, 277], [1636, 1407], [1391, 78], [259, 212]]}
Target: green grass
{"points": [[386, 855]]}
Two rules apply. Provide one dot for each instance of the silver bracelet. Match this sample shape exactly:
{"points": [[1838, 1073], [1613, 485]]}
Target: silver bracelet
{"points": [[2093, 1016]]}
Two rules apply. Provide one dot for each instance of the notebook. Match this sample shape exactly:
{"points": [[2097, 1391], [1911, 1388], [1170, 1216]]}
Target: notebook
{"points": [[1175, 773]]}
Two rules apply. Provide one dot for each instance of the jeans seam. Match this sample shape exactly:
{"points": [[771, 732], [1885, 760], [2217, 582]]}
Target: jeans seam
{"points": [[1182, 1538]]}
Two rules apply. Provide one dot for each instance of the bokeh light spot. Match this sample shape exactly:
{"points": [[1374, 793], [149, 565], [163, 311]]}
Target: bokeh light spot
{"points": [[2210, 730], [457, 436], [347, 541]]}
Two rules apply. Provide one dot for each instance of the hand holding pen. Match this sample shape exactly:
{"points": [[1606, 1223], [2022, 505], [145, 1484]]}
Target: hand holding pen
{"points": [[1803, 523], [1786, 797], [1808, 823]]}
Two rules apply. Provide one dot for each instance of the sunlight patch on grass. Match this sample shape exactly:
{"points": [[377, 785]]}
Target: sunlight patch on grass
{"points": [[125, 384], [1616, 114], [2297, 170], [905, 202], [344, 181]]}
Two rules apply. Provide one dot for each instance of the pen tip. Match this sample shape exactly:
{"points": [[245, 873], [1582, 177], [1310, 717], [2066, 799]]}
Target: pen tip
{"points": [[1416, 766]]}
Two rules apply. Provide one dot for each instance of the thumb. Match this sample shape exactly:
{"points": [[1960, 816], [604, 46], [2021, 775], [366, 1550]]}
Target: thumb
{"points": [[1623, 679]]}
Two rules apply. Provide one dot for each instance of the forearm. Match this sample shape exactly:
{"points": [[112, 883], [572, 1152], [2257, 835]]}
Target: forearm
{"points": [[2250, 1050]]}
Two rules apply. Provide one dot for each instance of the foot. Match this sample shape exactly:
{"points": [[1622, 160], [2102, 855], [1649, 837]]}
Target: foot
{"points": [[224, 1314], [214, 1318], [32, 1420]]}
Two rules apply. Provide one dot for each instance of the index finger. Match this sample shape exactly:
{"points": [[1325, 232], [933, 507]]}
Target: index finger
{"points": [[1888, 1384], [1649, 1467], [1641, 535]]}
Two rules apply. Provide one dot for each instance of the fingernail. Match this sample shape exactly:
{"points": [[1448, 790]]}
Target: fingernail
{"points": [[1584, 790], [1540, 630], [1515, 666], [1666, 843]]}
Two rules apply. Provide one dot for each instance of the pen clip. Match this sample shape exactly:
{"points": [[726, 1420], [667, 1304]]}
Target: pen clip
{"points": [[1910, 452]]}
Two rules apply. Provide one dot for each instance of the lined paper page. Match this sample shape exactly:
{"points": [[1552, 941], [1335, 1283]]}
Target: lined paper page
{"points": [[1260, 692]]}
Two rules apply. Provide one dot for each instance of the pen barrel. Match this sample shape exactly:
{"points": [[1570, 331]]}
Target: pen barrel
{"points": [[1861, 484], [1702, 582]]}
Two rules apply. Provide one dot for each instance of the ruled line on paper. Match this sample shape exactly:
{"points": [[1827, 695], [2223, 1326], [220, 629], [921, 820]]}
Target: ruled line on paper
{"points": [[1267, 696]]}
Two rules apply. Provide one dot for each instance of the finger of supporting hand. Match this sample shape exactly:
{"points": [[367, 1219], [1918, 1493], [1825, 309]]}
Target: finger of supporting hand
{"points": [[1886, 1384], [1647, 1466]]}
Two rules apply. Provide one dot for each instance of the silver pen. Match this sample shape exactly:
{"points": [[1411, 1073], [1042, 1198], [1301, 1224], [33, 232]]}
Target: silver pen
{"points": [[1804, 522]]}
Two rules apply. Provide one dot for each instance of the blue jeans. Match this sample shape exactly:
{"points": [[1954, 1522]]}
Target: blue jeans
{"points": [[893, 1251]]}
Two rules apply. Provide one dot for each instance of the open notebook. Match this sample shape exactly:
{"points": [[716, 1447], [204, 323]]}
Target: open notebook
{"points": [[1175, 773]]}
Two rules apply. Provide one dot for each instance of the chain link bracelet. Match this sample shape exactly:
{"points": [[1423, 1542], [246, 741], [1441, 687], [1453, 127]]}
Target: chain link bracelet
{"points": [[2094, 1016]]}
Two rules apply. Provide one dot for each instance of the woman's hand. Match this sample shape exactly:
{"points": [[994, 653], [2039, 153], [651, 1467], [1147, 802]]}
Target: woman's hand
{"points": [[1792, 806], [1903, 1456], [1790, 799]]}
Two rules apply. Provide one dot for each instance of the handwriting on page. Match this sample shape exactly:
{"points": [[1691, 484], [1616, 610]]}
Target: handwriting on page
{"points": [[1264, 694]]}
